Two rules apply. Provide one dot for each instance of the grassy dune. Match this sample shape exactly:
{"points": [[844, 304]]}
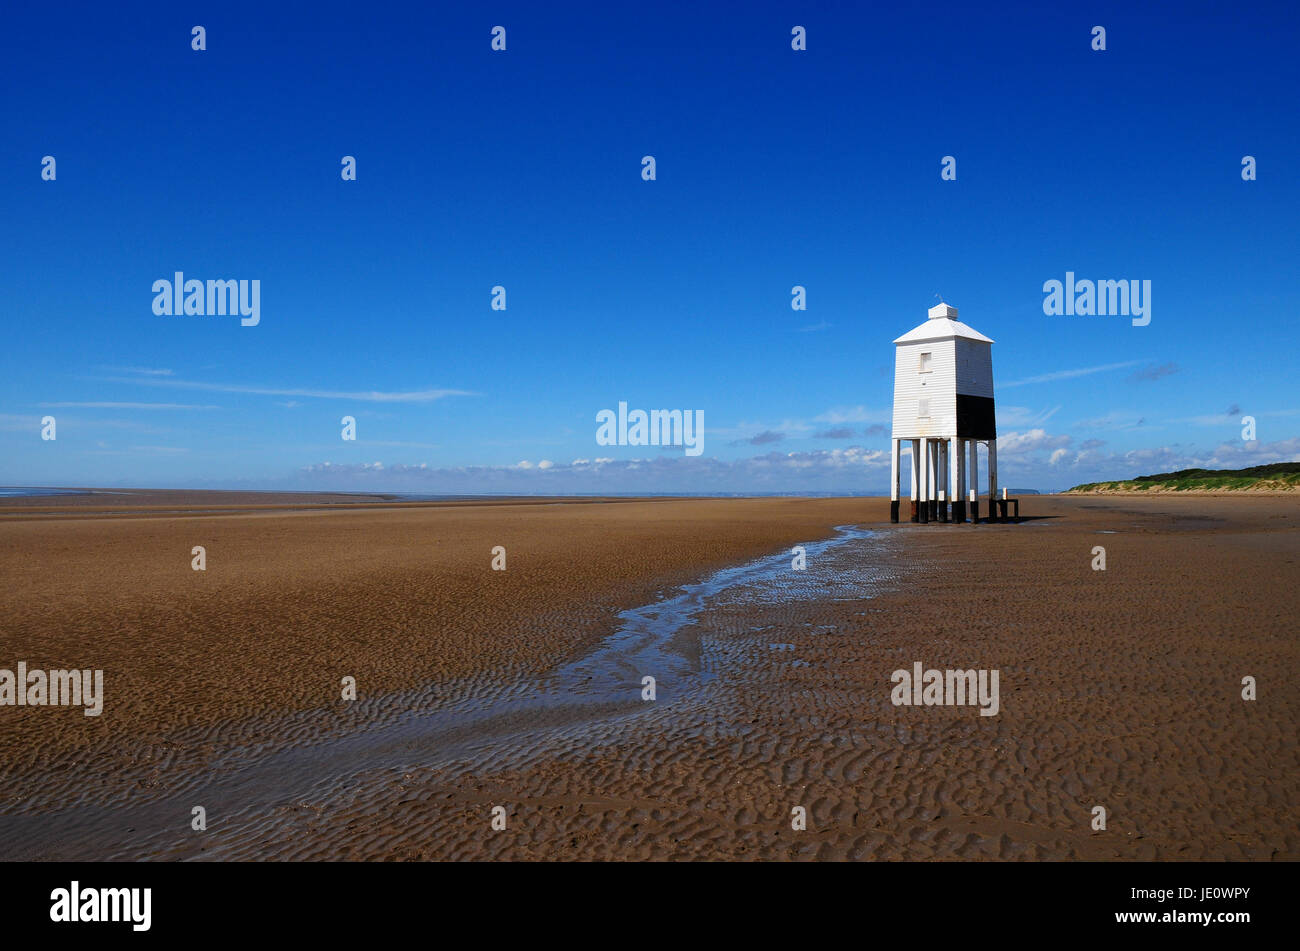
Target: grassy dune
{"points": [[1276, 477]]}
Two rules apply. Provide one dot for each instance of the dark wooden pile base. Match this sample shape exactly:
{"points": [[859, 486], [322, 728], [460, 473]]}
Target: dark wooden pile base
{"points": [[938, 512]]}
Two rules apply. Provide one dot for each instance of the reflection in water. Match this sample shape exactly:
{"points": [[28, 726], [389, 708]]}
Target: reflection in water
{"points": [[253, 784]]}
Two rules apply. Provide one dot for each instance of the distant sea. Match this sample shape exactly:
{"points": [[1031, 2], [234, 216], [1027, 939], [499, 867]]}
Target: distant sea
{"points": [[14, 491], [19, 491]]}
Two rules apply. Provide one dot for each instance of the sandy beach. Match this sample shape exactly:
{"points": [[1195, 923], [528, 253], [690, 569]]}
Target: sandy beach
{"points": [[523, 688]]}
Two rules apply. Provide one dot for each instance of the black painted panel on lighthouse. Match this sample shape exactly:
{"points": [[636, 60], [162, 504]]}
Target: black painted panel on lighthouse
{"points": [[975, 418]]}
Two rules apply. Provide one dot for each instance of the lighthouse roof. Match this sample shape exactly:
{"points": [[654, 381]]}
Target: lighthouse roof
{"points": [[942, 324]]}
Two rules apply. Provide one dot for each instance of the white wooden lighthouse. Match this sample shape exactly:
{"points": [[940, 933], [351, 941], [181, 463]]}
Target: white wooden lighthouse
{"points": [[943, 406]]}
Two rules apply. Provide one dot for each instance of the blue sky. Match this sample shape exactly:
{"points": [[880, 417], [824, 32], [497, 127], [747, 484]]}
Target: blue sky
{"points": [[522, 169]]}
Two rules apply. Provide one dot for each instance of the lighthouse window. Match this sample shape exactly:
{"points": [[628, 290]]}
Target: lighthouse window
{"points": [[923, 408], [925, 363]]}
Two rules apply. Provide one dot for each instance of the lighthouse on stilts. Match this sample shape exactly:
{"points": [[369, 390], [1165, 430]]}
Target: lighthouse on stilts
{"points": [[943, 407]]}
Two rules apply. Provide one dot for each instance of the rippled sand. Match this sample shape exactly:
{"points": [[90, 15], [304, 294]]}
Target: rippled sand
{"points": [[522, 689]]}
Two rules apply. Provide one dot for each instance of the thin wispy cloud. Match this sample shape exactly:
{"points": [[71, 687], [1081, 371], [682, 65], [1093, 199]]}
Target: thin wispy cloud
{"points": [[1214, 420], [103, 450], [398, 444], [107, 405], [16, 423], [1023, 416], [748, 433], [855, 414], [1153, 372], [1232, 417], [746, 430], [1069, 374], [759, 439], [143, 371], [368, 396], [1114, 421]]}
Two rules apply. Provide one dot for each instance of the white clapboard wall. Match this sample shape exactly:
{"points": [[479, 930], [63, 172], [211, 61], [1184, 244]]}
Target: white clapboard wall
{"points": [[934, 364]]}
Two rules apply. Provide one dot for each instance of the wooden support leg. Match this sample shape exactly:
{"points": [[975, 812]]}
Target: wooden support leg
{"points": [[993, 480], [894, 478], [923, 467], [916, 484]]}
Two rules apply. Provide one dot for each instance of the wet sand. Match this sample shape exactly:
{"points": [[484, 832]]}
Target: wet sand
{"points": [[522, 688]]}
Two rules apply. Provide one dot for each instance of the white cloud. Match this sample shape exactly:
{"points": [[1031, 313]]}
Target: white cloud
{"points": [[850, 469], [1029, 459], [1064, 466], [1033, 440]]}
